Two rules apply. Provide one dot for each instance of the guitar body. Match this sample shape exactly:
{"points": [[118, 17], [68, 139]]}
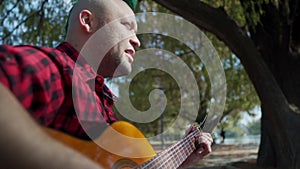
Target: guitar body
{"points": [[120, 146]]}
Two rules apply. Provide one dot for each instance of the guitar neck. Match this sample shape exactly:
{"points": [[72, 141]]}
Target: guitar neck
{"points": [[174, 155]]}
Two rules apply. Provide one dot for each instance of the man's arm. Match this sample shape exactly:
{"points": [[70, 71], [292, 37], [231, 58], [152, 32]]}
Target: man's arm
{"points": [[24, 144]]}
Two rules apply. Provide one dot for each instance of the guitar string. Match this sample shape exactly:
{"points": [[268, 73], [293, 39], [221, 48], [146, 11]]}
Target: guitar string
{"points": [[178, 148], [167, 160], [174, 153], [160, 154], [181, 149], [172, 149]]}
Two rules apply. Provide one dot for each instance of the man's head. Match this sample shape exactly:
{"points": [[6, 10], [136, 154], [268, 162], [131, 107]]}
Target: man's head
{"points": [[95, 26]]}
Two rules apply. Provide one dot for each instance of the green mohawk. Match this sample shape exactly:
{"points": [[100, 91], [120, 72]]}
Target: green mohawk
{"points": [[131, 3]]}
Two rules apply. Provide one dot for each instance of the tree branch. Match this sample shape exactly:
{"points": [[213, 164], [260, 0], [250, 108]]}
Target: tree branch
{"points": [[15, 28], [36, 13], [9, 11], [41, 22], [219, 23]]}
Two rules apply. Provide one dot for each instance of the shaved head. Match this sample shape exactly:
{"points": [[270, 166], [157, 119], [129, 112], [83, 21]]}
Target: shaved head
{"points": [[92, 5], [100, 8], [97, 13], [106, 29]]}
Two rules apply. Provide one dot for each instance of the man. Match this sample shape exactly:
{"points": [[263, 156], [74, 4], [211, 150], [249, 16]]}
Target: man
{"points": [[63, 88]]}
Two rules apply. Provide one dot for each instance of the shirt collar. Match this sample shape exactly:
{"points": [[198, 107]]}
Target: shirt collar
{"points": [[81, 65], [72, 53], [90, 76]]}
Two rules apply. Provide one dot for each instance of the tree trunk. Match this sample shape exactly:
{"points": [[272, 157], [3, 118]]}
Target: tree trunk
{"points": [[273, 38], [266, 149], [280, 146]]}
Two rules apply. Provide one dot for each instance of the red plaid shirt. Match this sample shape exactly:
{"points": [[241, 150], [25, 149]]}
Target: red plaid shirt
{"points": [[57, 93]]}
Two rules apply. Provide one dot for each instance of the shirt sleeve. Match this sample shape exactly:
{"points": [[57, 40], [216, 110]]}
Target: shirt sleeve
{"points": [[29, 75], [5, 57], [18, 74], [10, 70]]}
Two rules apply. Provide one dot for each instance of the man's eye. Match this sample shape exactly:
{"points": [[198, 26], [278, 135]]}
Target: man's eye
{"points": [[127, 24]]}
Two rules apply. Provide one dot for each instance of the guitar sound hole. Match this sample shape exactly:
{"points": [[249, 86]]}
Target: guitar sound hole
{"points": [[124, 163]]}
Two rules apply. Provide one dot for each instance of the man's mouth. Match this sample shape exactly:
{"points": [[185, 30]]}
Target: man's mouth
{"points": [[131, 53]]}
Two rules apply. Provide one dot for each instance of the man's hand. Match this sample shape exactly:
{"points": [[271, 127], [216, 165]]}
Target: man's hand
{"points": [[203, 142]]}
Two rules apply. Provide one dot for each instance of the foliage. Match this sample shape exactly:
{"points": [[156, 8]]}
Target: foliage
{"points": [[37, 22], [247, 14], [254, 127], [232, 8]]}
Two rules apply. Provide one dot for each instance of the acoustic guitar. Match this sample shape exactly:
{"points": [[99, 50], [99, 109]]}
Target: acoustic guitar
{"points": [[122, 145]]}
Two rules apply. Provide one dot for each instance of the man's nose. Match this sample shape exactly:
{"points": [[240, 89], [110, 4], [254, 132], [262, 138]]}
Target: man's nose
{"points": [[134, 41]]}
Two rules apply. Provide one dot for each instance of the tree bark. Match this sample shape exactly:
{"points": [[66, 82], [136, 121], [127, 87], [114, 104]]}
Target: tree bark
{"points": [[273, 38], [266, 148], [280, 120]]}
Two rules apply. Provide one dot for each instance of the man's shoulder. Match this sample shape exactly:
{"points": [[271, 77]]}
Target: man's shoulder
{"points": [[27, 50], [29, 54]]}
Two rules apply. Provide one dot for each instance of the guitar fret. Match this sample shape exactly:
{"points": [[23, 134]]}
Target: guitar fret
{"points": [[176, 155], [157, 161], [172, 162], [175, 152]]}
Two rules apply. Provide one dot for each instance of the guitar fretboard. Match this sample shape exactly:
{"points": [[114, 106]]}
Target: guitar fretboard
{"points": [[174, 155]]}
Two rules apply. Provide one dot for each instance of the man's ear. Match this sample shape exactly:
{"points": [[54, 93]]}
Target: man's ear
{"points": [[86, 20]]}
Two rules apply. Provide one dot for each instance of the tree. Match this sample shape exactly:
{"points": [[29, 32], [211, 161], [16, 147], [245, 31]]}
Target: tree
{"points": [[268, 47], [37, 22]]}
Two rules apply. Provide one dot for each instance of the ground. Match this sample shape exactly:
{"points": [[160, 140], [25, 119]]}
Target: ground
{"points": [[227, 156], [233, 156]]}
